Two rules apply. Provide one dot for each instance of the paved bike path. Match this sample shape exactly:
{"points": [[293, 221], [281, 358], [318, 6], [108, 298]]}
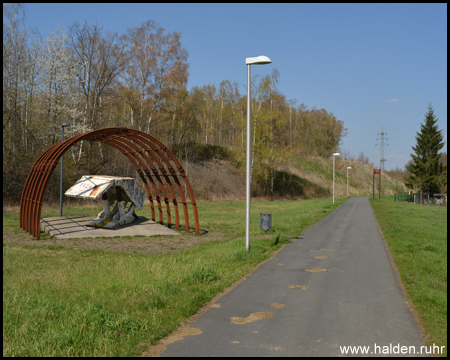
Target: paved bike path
{"points": [[334, 286]]}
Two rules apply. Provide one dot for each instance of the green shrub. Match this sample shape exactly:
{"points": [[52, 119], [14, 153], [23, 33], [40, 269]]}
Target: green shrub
{"points": [[202, 152], [286, 185]]}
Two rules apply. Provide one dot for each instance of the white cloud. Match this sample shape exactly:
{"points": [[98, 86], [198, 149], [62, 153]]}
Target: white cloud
{"points": [[392, 101]]}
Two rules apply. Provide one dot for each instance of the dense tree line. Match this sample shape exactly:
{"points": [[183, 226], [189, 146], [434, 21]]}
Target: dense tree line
{"points": [[91, 78]]}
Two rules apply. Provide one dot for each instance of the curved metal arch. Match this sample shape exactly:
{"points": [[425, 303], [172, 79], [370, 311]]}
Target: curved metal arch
{"points": [[173, 174], [151, 158], [141, 168], [157, 175]]}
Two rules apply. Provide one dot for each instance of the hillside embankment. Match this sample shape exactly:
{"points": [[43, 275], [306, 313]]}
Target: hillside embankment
{"points": [[214, 177], [297, 179]]}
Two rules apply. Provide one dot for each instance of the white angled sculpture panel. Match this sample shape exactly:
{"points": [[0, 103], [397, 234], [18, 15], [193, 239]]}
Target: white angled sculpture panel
{"points": [[112, 189]]}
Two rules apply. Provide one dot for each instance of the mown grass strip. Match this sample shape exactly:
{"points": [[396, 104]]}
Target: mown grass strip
{"points": [[416, 236], [67, 302]]}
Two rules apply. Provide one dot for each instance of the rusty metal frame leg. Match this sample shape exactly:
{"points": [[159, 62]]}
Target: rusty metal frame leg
{"points": [[183, 175], [163, 172], [173, 173]]}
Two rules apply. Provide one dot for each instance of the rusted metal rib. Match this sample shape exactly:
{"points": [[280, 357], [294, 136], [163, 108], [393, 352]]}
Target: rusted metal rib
{"points": [[142, 153], [151, 158], [185, 179]]}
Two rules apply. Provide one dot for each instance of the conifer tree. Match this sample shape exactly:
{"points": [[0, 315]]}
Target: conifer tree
{"points": [[426, 172]]}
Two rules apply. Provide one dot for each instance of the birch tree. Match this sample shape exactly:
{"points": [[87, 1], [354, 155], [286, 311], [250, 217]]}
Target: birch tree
{"points": [[157, 65], [57, 79]]}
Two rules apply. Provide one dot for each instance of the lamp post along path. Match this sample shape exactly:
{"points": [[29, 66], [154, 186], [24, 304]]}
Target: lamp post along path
{"points": [[335, 154], [247, 167], [259, 60], [349, 167]]}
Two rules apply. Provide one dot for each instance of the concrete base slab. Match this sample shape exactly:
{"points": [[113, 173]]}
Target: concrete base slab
{"points": [[75, 227]]}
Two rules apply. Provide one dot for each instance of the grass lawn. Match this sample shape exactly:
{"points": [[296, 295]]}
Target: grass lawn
{"points": [[416, 236], [60, 301]]}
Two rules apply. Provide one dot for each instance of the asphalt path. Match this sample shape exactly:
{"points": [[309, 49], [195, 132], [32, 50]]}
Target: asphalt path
{"points": [[334, 286]]}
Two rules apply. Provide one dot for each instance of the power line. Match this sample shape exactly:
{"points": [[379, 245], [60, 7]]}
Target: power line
{"points": [[422, 111], [441, 123], [435, 106], [440, 93], [440, 115], [405, 133], [370, 145], [411, 139], [408, 137]]}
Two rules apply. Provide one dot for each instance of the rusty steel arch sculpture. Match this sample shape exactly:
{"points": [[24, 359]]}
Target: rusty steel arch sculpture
{"points": [[151, 158]]}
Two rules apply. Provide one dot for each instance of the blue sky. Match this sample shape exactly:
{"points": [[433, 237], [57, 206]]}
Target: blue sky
{"points": [[373, 66]]}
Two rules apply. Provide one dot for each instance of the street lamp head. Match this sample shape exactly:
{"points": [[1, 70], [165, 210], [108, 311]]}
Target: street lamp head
{"points": [[349, 167], [259, 60], [64, 125], [336, 154]]}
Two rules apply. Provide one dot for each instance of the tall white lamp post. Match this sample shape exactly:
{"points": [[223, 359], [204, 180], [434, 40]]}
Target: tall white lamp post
{"points": [[259, 60], [349, 167], [335, 154], [63, 125]]}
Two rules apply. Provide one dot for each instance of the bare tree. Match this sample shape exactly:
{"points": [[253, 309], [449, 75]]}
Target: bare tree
{"points": [[155, 67], [14, 95], [56, 78], [100, 62]]}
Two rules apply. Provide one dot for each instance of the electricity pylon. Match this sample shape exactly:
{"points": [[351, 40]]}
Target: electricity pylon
{"points": [[382, 143]]}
